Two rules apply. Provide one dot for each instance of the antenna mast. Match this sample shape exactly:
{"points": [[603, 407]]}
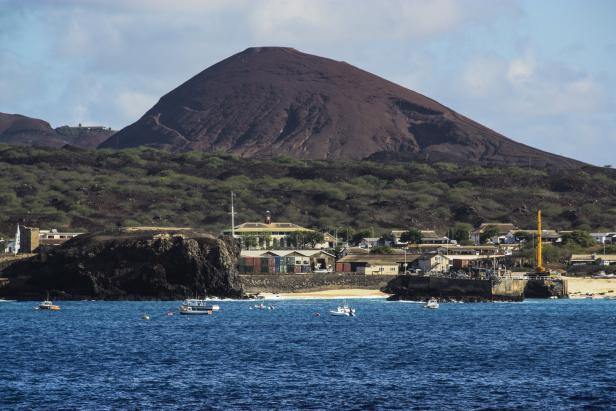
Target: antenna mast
{"points": [[232, 216]]}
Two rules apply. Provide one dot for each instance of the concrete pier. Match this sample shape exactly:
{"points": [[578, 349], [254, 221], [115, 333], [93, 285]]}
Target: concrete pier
{"points": [[500, 289]]}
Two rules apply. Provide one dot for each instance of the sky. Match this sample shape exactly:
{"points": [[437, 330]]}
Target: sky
{"points": [[542, 72]]}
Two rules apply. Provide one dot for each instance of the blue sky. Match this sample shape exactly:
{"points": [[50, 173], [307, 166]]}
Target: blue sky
{"points": [[541, 72]]}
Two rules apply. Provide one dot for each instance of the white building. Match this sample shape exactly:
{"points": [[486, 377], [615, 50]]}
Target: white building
{"points": [[604, 238], [54, 237], [368, 242]]}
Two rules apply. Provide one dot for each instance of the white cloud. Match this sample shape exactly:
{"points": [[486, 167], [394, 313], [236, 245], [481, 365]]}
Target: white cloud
{"points": [[322, 21], [133, 104], [521, 69], [527, 87]]}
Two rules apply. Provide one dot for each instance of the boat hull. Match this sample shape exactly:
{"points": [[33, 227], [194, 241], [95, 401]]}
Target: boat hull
{"points": [[49, 308], [196, 312]]}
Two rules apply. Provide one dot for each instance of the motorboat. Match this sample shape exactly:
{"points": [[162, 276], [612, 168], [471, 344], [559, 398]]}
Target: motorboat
{"points": [[343, 311], [48, 305], [196, 306], [432, 303]]}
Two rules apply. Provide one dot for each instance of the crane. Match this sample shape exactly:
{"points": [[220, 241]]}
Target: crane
{"points": [[539, 263]]}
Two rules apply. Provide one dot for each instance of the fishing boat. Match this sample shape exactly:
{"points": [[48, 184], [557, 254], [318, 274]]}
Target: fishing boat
{"points": [[343, 311], [196, 306], [432, 303], [48, 305]]}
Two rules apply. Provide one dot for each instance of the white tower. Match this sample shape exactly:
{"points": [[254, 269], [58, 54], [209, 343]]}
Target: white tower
{"points": [[232, 216], [17, 240]]}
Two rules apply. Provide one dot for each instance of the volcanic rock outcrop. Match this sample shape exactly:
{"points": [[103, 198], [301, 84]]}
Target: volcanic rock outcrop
{"points": [[132, 265], [272, 101], [22, 130]]}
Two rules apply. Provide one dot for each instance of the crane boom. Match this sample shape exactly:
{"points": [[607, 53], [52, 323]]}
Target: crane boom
{"points": [[539, 264]]}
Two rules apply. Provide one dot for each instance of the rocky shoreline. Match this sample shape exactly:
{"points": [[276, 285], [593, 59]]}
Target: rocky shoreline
{"points": [[130, 265]]}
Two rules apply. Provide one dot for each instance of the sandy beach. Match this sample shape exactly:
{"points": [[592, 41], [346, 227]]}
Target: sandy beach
{"points": [[582, 287], [328, 294]]}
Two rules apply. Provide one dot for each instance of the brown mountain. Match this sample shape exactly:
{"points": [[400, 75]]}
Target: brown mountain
{"points": [[271, 101], [22, 130]]}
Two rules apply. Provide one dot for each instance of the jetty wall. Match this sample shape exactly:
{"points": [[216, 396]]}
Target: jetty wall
{"points": [[288, 283], [420, 287], [506, 289]]}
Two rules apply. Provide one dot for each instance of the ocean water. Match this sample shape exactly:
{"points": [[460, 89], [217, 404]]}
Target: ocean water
{"points": [[393, 355]]}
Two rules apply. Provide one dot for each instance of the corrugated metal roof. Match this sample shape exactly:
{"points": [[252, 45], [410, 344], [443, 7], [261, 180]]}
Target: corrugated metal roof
{"points": [[282, 253], [378, 258], [502, 227], [582, 257], [262, 227]]}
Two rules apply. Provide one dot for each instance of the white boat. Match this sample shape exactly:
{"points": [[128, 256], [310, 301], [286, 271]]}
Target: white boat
{"points": [[2, 300], [48, 305], [195, 306], [432, 303], [343, 311]]}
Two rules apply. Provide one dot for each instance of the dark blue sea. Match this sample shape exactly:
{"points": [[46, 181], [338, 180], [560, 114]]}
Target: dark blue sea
{"points": [[103, 355]]}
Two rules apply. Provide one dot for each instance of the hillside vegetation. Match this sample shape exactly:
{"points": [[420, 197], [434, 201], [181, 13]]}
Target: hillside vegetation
{"points": [[84, 190]]}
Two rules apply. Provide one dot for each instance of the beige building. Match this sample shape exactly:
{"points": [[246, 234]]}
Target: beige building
{"points": [[373, 263], [600, 259], [29, 239], [377, 268], [433, 262], [269, 234]]}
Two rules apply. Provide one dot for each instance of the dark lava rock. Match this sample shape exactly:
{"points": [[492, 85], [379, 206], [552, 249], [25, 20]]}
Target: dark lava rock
{"points": [[162, 265], [273, 101], [544, 289]]}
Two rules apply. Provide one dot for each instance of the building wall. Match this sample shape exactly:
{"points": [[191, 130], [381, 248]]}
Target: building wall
{"points": [[382, 269], [434, 263], [281, 283], [29, 239]]}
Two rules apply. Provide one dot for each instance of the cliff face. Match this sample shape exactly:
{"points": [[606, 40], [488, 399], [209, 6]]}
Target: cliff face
{"points": [[143, 265]]}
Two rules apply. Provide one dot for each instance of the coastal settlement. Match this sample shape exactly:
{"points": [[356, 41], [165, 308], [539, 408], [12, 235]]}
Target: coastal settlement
{"points": [[494, 260]]}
